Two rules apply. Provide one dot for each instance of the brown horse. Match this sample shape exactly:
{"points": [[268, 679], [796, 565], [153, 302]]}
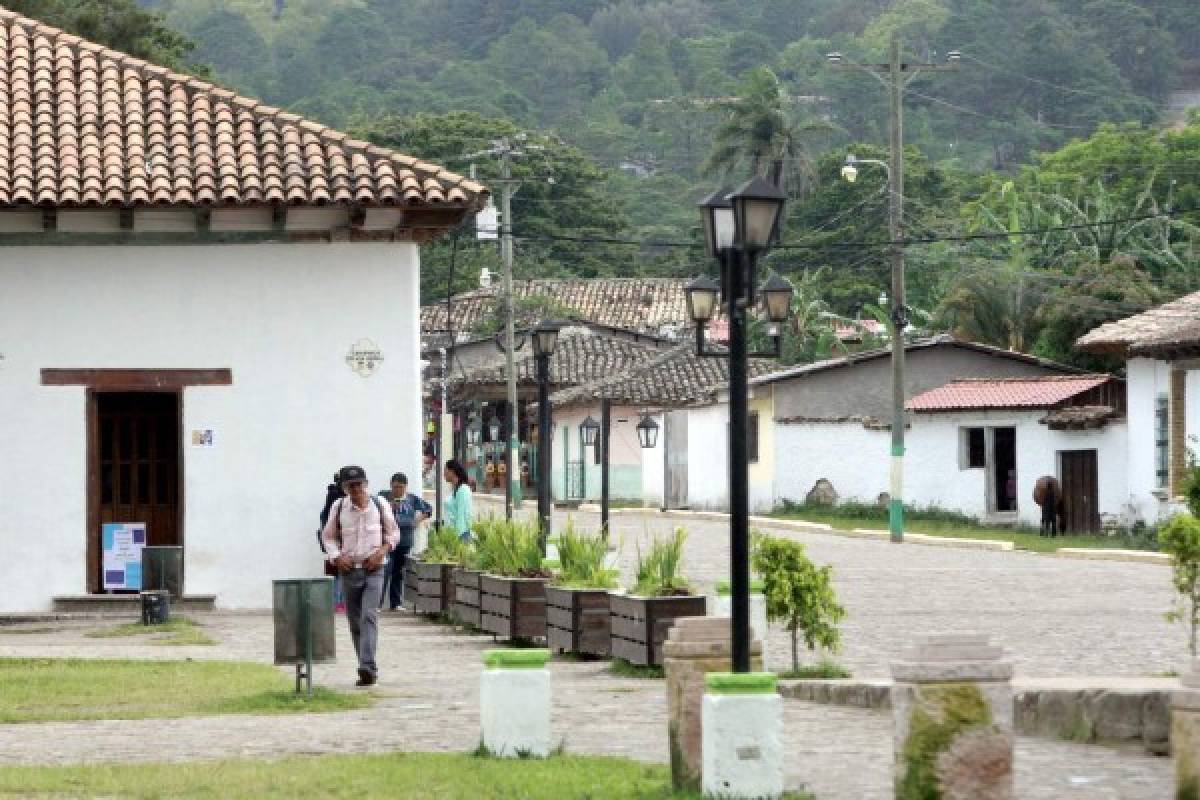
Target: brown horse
{"points": [[1047, 493]]}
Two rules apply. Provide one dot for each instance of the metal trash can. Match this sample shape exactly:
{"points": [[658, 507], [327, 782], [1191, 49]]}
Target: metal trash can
{"points": [[156, 607], [304, 629], [162, 568]]}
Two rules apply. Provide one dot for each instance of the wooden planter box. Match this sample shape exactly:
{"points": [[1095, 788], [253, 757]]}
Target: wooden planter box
{"points": [[577, 621], [513, 608], [435, 589], [640, 624], [466, 595], [410, 584]]}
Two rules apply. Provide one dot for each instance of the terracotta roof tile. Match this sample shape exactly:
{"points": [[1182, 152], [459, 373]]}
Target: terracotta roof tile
{"points": [[647, 305], [1157, 324], [1080, 417], [1005, 393], [81, 124], [673, 378]]}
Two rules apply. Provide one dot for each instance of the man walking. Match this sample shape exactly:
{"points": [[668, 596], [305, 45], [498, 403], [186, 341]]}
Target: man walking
{"points": [[358, 535], [409, 510]]}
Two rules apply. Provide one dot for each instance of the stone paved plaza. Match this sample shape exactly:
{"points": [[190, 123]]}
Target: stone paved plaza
{"points": [[1059, 617]]}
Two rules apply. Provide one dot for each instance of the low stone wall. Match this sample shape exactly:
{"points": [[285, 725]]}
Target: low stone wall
{"points": [[1089, 715]]}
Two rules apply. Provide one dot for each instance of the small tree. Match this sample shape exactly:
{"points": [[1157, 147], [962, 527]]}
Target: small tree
{"points": [[799, 594], [1181, 538]]}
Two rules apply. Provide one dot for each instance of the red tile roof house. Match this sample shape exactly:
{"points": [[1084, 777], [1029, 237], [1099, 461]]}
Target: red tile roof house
{"points": [[209, 306], [978, 446], [1161, 348], [831, 421]]}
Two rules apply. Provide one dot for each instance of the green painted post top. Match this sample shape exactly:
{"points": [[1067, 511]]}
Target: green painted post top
{"points": [[724, 589], [740, 682], [534, 658]]}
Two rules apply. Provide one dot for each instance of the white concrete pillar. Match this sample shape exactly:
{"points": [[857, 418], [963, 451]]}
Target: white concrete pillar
{"points": [[743, 746], [1185, 734], [514, 703], [953, 709], [723, 607]]}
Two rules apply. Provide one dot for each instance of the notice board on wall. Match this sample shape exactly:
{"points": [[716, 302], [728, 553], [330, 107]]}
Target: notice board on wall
{"points": [[123, 543]]}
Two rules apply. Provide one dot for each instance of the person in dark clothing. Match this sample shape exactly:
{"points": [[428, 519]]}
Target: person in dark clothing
{"points": [[333, 493], [410, 510]]}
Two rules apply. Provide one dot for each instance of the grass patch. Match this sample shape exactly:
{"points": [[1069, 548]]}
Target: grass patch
{"points": [[403, 775], [622, 668], [175, 631], [822, 670], [40, 689], [938, 522]]}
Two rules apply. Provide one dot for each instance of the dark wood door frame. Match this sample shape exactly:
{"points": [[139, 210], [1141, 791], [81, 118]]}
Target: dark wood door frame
{"points": [[98, 381]]}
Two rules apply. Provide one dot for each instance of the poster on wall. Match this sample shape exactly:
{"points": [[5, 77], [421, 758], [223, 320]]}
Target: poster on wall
{"points": [[123, 543]]}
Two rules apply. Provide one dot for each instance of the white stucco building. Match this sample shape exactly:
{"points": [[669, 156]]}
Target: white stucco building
{"points": [[1162, 352], [209, 306]]}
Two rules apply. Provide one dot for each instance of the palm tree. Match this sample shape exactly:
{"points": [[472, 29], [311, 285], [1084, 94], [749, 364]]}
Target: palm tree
{"points": [[759, 131]]}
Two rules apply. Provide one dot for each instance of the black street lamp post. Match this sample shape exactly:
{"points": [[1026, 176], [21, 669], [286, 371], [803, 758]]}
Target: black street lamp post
{"points": [[545, 338], [590, 429], [738, 228]]}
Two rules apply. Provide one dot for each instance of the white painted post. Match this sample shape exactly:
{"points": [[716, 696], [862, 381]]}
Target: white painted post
{"points": [[514, 703], [952, 705], [723, 607], [742, 727]]}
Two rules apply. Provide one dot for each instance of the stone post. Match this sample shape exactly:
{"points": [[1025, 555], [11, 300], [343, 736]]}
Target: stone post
{"points": [[953, 709], [1185, 735], [694, 647], [743, 746], [514, 703], [758, 612]]}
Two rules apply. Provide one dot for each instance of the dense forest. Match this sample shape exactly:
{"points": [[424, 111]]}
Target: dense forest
{"points": [[1049, 187]]}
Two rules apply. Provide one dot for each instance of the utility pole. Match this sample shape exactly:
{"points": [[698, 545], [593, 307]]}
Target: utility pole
{"points": [[506, 150], [895, 75]]}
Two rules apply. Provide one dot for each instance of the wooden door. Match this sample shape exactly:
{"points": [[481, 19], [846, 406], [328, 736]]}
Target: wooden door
{"points": [[676, 488], [136, 463], [1081, 494]]}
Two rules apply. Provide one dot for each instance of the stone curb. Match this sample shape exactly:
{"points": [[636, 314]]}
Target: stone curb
{"points": [[1133, 556], [800, 526], [1091, 715]]}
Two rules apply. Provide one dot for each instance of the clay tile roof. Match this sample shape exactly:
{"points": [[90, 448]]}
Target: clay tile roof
{"points": [[63, 98], [1182, 340], [1006, 393], [647, 305], [673, 378], [581, 356], [1159, 324], [1079, 417]]}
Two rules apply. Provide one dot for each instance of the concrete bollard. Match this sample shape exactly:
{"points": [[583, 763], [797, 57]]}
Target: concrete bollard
{"points": [[695, 647], [514, 703], [743, 746], [1185, 735], [953, 709], [723, 607]]}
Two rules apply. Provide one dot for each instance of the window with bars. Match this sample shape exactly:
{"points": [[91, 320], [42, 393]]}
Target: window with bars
{"points": [[1162, 441]]}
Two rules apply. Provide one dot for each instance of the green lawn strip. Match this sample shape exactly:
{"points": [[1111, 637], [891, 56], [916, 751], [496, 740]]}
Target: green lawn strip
{"points": [[822, 670], [1022, 538], [416, 776], [175, 631], [43, 689]]}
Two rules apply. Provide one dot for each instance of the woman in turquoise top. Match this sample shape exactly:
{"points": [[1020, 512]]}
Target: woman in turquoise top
{"points": [[458, 504]]}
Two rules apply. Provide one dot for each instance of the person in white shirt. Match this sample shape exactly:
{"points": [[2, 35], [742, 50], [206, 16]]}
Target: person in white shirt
{"points": [[358, 535]]}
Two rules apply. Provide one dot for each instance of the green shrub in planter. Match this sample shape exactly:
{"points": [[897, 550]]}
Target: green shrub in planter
{"points": [[445, 547], [1181, 538], [581, 561], [658, 573], [510, 548]]}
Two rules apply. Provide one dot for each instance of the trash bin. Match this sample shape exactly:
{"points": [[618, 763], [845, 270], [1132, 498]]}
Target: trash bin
{"points": [[304, 630], [156, 607], [162, 568]]}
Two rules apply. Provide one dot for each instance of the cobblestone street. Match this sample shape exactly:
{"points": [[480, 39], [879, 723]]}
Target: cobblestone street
{"points": [[1058, 617]]}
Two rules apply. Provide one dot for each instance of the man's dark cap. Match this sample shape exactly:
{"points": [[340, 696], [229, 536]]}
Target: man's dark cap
{"points": [[348, 474]]}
